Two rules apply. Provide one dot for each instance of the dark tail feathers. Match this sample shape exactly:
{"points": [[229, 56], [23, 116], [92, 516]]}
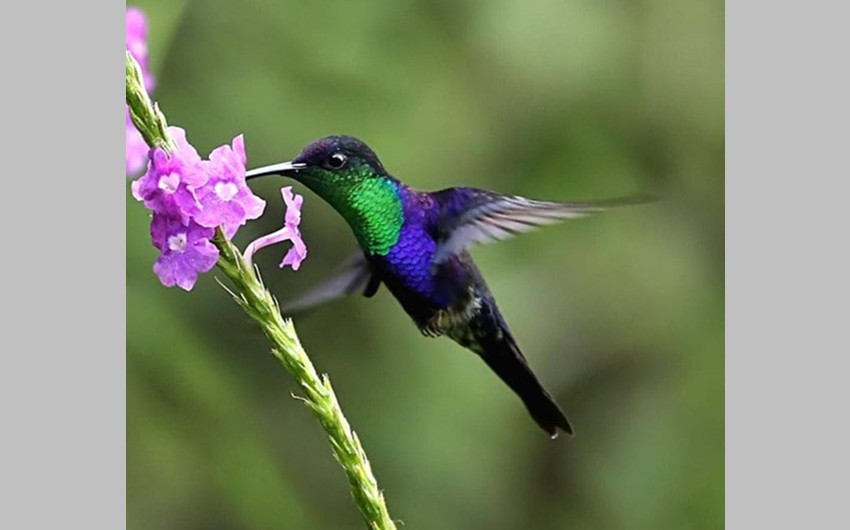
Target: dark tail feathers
{"points": [[503, 356]]}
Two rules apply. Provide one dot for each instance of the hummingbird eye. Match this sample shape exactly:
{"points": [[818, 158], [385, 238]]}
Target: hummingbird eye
{"points": [[336, 161]]}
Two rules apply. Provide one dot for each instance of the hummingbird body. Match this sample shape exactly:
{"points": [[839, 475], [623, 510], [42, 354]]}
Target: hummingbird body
{"points": [[415, 242]]}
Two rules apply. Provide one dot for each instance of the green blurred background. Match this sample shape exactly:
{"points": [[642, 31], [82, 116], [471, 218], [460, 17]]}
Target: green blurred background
{"points": [[621, 315]]}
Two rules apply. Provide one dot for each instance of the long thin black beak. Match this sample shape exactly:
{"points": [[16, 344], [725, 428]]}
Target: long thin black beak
{"points": [[284, 168]]}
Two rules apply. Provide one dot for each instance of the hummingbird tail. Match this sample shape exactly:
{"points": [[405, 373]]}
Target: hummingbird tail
{"points": [[504, 357]]}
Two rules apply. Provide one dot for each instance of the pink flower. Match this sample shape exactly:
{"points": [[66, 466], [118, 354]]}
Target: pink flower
{"points": [[290, 232], [225, 198], [137, 34], [185, 248], [137, 42], [137, 149], [168, 186], [190, 197]]}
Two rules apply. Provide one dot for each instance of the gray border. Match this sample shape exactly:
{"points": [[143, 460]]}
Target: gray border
{"points": [[62, 384], [786, 264]]}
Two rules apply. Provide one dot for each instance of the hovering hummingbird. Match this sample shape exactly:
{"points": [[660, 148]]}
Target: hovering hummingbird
{"points": [[415, 242]]}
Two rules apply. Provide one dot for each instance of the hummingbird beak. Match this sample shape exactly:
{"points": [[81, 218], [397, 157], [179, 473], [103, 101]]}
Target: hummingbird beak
{"points": [[284, 168]]}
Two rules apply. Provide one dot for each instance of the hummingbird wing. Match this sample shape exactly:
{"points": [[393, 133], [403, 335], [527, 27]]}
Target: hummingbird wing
{"points": [[354, 276], [469, 216]]}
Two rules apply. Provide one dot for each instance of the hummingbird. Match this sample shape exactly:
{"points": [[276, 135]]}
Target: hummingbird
{"points": [[416, 244]]}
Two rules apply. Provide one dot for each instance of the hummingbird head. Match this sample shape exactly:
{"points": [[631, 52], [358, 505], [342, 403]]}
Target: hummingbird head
{"points": [[332, 160], [343, 171]]}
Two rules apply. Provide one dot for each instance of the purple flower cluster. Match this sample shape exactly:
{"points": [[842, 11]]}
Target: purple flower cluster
{"points": [[137, 34], [190, 197]]}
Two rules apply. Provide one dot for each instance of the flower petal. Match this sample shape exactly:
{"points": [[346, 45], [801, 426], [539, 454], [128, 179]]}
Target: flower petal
{"points": [[289, 232], [186, 250], [278, 236], [295, 255], [225, 199]]}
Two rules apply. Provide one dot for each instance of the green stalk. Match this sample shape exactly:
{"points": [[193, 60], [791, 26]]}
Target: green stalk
{"points": [[252, 296]]}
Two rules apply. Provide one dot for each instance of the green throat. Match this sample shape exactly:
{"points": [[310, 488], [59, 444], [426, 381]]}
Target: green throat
{"points": [[370, 204]]}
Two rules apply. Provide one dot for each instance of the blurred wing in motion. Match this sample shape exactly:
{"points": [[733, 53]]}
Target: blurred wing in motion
{"points": [[355, 276], [470, 216]]}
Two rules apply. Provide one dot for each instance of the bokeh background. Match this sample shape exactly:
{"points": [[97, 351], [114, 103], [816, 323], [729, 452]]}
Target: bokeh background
{"points": [[621, 315]]}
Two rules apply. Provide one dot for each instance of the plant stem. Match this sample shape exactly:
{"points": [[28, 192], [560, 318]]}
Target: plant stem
{"points": [[252, 296], [255, 300]]}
